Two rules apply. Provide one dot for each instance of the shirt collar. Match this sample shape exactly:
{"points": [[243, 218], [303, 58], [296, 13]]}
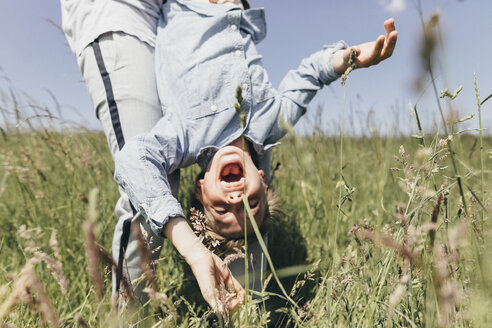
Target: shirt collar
{"points": [[207, 8], [252, 20]]}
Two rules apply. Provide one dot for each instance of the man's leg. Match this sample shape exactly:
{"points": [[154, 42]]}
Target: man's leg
{"points": [[119, 73]]}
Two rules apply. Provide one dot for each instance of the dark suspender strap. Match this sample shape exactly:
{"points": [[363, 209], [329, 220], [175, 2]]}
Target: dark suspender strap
{"points": [[245, 4], [113, 109]]}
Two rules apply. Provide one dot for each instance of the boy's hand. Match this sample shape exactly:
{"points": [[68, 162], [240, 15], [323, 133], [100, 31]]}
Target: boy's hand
{"points": [[209, 270], [369, 53], [213, 276]]}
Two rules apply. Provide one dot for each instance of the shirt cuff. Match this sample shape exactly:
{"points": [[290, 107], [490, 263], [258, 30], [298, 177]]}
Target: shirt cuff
{"points": [[159, 210], [328, 74]]}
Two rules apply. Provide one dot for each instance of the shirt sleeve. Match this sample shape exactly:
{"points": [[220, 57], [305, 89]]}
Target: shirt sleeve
{"points": [[299, 87], [140, 169]]}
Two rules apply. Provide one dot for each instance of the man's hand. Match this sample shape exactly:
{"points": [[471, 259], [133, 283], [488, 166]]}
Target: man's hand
{"points": [[369, 53], [209, 270]]}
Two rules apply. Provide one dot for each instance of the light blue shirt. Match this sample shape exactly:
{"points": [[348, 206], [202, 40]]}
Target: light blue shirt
{"points": [[203, 53]]}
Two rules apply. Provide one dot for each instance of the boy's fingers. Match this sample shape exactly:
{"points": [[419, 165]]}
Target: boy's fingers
{"points": [[235, 286], [229, 280], [233, 304], [390, 45], [391, 36], [375, 56], [389, 26], [356, 49], [232, 284]]}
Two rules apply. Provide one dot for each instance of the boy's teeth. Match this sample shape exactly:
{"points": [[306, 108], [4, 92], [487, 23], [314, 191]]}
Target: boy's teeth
{"points": [[233, 184]]}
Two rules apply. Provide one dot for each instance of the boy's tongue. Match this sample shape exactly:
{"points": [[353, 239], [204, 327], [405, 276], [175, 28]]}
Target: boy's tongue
{"points": [[231, 173]]}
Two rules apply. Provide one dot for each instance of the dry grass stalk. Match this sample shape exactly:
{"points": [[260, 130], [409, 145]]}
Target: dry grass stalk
{"points": [[80, 321], [224, 297], [445, 289], [161, 298], [435, 214], [307, 312], [54, 246], [266, 282], [93, 260], [145, 256], [204, 232], [36, 248], [308, 276], [125, 284], [445, 275], [388, 241], [26, 288], [404, 224], [355, 229], [18, 288], [396, 296], [56, 270], [45, 308], [236, 255]]}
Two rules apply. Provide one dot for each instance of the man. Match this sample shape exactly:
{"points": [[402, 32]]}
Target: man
{"points": [[113, 42]]}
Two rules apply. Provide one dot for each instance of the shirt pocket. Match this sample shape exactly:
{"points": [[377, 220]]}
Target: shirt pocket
{"points": [[211, 87], [262, 88]]}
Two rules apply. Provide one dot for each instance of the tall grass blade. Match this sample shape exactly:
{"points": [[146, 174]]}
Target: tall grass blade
{"points": [[265, 250]]}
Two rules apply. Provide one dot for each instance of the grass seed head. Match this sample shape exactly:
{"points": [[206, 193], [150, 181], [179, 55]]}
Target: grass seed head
{"points": [[145, 255], [93, 260]]}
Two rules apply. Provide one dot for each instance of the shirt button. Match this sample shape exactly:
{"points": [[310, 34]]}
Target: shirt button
{"points": [[245, 86], [213, 108], [233, 27], [238, 53]]}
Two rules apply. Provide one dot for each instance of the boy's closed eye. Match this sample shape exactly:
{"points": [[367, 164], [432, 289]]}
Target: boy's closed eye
{"points": [[224, 209], [254, 203], [221, 210]]}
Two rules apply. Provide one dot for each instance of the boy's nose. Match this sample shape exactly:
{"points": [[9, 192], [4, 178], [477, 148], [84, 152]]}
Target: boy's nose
{"points": [[235, 197]]}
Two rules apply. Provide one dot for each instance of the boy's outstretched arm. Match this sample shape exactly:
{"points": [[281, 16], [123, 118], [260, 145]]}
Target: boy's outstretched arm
{"points": [[209, 270], [299, 86], [369, 53]]}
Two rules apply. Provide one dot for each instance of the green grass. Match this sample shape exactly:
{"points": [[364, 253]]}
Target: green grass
{"points": [[47, 178]]}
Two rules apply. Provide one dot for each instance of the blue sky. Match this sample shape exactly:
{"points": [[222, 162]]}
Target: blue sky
{"points": [[35, 57]]}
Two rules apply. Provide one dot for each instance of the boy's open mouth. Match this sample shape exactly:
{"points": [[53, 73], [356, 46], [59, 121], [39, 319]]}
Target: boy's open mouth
{"points": [[231, 173]]}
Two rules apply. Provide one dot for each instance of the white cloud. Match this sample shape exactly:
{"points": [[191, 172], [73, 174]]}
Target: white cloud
{"points": [[393, 6]]}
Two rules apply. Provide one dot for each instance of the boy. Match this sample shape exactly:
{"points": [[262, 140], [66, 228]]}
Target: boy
{"points": [[203, 52]]}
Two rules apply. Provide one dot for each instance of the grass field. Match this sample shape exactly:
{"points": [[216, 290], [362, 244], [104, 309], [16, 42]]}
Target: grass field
{"points": [[392, 241]]}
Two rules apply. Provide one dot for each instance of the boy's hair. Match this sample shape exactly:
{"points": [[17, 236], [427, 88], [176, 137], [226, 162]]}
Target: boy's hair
{"points": [[205, 226]]}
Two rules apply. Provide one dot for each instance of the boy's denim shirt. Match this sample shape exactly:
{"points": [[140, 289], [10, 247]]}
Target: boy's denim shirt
{"points": [[203, 53]]}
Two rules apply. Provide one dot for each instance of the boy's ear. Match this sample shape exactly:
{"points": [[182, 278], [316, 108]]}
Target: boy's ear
{"points": [[198, 189], [263, 177]]}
